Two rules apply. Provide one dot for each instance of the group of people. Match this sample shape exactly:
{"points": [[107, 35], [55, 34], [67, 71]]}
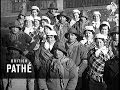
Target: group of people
{"points": [[65, 53]]}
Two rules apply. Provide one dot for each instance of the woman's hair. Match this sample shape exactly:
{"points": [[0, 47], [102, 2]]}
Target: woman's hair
{"points": [[103, 25]]}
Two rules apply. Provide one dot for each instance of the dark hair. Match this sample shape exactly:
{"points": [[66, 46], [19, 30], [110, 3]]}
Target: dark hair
{"points": [[34, 9], [103, 25], [20, 15]]}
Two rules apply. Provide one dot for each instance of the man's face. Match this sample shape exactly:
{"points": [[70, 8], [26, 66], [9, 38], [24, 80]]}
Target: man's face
{"points": [[72, 37], [104, 30], [116, 37], [53, 11], [34, 12], [14, 53], [15, 30], [59, 54]]}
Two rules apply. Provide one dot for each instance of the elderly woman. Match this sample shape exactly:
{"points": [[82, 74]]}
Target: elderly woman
{"points": [[76, 17], [60, 73], [96, 58]]}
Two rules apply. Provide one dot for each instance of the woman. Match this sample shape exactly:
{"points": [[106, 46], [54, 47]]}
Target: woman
{"points": [[76, 17], [60, 73], [104, 29], [88, 39], [96, 21], [96, 62]]}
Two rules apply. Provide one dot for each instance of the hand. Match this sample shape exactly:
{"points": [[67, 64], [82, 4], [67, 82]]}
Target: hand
{"points": [[26, 52]]}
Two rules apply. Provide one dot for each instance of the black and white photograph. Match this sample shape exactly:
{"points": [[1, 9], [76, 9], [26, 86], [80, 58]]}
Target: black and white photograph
{"points": [[59, 45]]}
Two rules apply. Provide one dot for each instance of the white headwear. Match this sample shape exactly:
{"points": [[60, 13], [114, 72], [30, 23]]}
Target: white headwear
{"points": [[35, 7], [76, 11], [50, 26], [45, 17], [29, 18], [107, 23], [53, 33], [38, 18], [96, 13], [90, 28], [100, 36]]}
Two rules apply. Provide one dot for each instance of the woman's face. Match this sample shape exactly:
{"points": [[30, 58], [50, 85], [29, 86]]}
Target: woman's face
{"points": [[104, 30], [88, 34], [29, 23], [43, 23], [96, 17], [100, 43], [72, 37], [63, 19], [53, 11], [34, 12], [36, 23], [59, 54], [50, 38], [76, 15]]}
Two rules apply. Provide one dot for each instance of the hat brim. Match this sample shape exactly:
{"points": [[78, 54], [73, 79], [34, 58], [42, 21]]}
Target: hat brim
{"points": [[68, 18], [13, 48], [14, 27], [53, 8], [78, 36]]}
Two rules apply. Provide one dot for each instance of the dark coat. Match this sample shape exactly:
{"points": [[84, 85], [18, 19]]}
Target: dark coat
{"points": [[52, 18], [111, 74], [79, 26], [53, 77]]}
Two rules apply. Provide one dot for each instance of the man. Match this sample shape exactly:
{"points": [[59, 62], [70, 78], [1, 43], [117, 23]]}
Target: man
{"points": [[111, 73], [77, 52], [60, 73], [14, 79], [62, 26], [16, 37], [52, 13], [80, 25]]}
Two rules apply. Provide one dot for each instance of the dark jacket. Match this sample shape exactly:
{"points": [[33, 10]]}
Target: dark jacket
{"points": [[56, 76], [111, 73]]}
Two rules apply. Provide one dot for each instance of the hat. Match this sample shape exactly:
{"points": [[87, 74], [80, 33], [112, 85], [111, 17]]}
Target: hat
{"points": [[84, 14], [107, 23], [46, 18], [53, 6], [63, 14], [52, 33], [114, 30], [59, 45], [76, 11], [49, 26], [96, 13], [74, 31], [29, 18], [37, 18], [14, 48], [35, 7], [100, 36], [89, 28], [15, 26]]}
